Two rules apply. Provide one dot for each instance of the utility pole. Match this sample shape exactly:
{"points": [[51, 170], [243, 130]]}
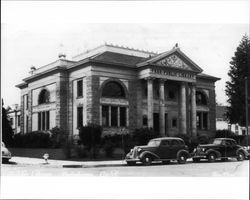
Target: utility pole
{"points": [[246, 104]]}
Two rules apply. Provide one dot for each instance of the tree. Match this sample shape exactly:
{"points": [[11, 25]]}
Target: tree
{"points": [[7, 132], [235, 88]]}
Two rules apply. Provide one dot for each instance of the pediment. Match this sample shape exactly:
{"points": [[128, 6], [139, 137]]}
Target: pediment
{"points": [[174, 61]]}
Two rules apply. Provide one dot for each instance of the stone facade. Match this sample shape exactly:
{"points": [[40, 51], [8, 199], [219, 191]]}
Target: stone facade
{"points": [[120, 89]]}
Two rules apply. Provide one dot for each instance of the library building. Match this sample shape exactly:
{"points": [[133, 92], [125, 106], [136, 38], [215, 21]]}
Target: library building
{"points": [[120, 89]]}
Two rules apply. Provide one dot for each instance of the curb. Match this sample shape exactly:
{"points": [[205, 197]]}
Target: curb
{"points": [[93, 166]]}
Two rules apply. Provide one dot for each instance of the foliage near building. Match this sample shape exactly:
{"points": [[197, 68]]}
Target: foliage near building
{"points": [[235, 88], [7, 132]]}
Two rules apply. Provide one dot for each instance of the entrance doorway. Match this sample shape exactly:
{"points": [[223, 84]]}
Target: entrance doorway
{"points": [[156, 122], [166, 124]]}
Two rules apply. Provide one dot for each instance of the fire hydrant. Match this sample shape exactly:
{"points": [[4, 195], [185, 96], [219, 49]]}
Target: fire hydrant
{"points": [[46, 157]]}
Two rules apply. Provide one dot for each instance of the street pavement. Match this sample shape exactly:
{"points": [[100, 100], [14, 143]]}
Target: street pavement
{"points": [[21, 166]]}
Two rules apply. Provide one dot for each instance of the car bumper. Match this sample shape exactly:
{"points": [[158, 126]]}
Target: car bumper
{"points": [[199, 155]]}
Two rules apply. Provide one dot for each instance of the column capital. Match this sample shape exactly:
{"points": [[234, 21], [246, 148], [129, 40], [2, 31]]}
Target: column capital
{"points": [[193, 84], [162, 80], [149, 78]]}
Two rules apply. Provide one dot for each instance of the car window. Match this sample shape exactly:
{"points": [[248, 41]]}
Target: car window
{"points": [[233, 143], [165, 143], [174, 142], [218, 141], [154, 143]]}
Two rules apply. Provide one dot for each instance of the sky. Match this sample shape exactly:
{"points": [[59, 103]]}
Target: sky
{"points": [[33, 33]]}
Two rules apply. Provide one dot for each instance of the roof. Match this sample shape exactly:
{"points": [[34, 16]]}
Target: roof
{"points": [[117, 58], [206, 76], [168, 138], [155, 59]]}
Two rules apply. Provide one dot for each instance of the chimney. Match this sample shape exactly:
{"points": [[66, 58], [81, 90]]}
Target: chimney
{"points": [[32, 69]]}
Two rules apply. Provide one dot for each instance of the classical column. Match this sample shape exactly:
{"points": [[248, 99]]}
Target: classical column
{"points": [[193, 111], [109, 116], [150, 102], [183, 110], [162, 107]]}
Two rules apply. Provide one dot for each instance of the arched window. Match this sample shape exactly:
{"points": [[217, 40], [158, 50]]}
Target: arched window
{"points": [[44, 97], [113, 90], [201, 98]]}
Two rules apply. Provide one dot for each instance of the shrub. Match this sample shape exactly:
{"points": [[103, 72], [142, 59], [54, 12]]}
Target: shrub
{"points": [[224, 134], [56, 137], [35, 139], [143, 135], [203, 139], [90, 137]]}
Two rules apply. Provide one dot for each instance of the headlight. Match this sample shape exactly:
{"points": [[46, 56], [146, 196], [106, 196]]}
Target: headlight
{"points": [[194, 150], [138, 149], [203, 149]]}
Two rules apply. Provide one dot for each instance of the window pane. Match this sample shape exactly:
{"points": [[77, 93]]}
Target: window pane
{"points": [[47, 120], [122, 116], [79, 88], [113, 116], [205, 120], [105, 115], [198, 120], [18, 120], [79, 116], [145, 120], [174, 123], [113, 89], [43, 120], [39, 121]]}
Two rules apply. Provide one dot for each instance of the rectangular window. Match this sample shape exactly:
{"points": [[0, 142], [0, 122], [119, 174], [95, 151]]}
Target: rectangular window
{"points": [[122, 116], [27, 102], [114, 116], [18, 120], [27, 124], [79, 88], [205, 120], [199, 120], [39, 121], [202, 120], [47, 120], [43, 121], [174, 123], [11, 121], [79, 116], [105, 115]]}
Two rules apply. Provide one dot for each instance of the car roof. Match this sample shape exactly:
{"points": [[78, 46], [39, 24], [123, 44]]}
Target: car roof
{"points": [[224, 139], [168, 138]]}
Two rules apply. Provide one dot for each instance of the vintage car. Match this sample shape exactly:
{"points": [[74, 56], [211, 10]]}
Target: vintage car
{"points": [[221, 148], [6, 155], [159, 149]]}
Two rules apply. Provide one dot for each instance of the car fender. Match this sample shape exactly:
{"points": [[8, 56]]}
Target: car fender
{"points": [[242, 150], [217, 153], [148, 153], [183, 151]]}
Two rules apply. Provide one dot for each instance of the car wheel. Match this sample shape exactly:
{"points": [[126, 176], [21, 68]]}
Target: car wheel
{"points": [[131, 163], [146, 160], [196, 160], [240, 156], [5, 160], [211, 157], [182, 158]]}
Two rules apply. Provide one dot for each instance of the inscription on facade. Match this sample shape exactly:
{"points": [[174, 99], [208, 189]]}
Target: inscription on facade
{"points": [[173, 73]]}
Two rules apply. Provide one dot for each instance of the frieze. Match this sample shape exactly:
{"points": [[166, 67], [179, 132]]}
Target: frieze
{"points": [[44, 107], [173, 61], [173, 73], [114, 101]]}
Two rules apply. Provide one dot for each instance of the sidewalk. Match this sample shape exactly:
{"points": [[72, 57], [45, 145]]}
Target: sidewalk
{"points": [[65, 163]]}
